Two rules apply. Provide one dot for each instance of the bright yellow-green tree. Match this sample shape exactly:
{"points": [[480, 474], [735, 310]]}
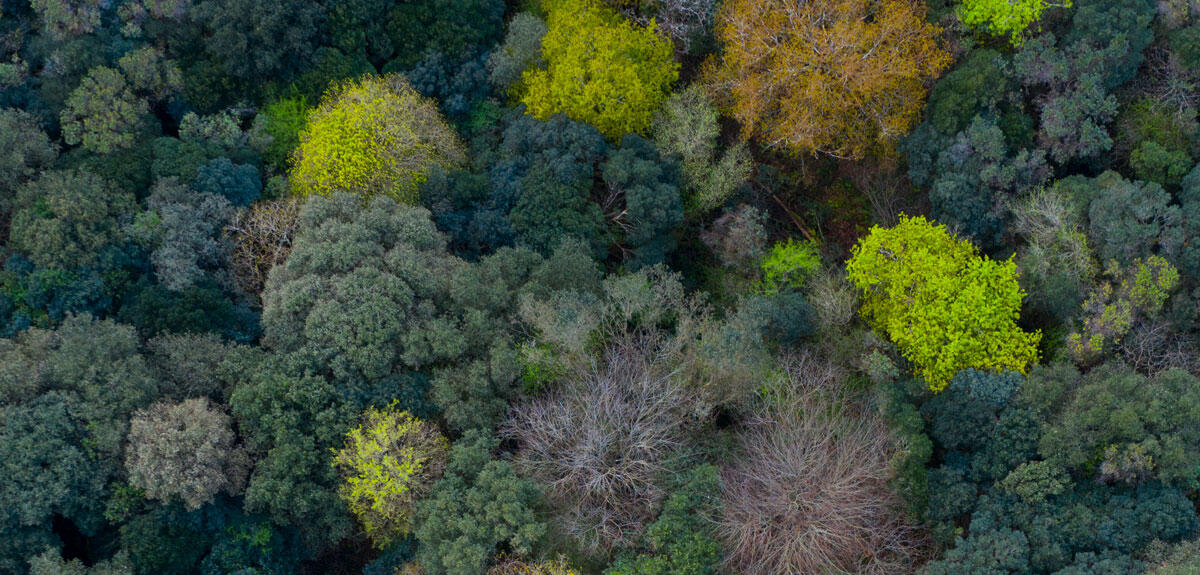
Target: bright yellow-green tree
{"points": [[388, 463], [944, 305], [600, 68], [373, 136], [1005, 17]]}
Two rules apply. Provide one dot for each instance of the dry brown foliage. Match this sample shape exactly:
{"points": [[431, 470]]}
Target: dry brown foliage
{"points": [[810, 494], [262, 238], [600, 442], [838, 77]]}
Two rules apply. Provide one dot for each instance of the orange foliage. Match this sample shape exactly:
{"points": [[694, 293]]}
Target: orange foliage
{"points": [[832, 76]]}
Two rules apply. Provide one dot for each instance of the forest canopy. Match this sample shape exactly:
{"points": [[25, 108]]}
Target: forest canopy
{"points": [[599, 287]]}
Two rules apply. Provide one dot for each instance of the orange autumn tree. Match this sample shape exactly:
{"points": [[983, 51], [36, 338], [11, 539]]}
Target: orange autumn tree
{"points": [[837, 77]]}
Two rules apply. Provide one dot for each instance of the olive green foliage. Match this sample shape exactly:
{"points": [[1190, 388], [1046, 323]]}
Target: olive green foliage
{"points": [[1180, 559], [291, 421], [362, 288], [1115, 407], [150, 74], [681, 540], [479, 505], [27, 152], [388, 464], [374, 136], [184, 451], [66, 396], [627, 70], [66, 219], [103, 114], [686, 127], [788, 264], [1115, 306], [966, 305]]}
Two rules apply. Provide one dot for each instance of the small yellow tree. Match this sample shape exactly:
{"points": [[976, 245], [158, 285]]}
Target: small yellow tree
{"points": [[389, 462], [373, 136], [832, 76], [600, 69]]}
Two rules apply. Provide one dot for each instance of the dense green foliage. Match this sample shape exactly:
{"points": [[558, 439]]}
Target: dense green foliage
{"points": [[599, 287]]}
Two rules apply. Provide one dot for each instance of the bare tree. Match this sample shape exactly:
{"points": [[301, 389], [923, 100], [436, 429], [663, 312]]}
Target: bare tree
{"points": [[810, 494], [262, 239], [600, 443]]}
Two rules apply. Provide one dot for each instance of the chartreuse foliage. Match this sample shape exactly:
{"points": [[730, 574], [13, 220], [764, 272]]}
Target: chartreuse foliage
{"points": [[944, 305], [1005, 17], [373, 136], [788, 264], [388, 463], [601, 69]]}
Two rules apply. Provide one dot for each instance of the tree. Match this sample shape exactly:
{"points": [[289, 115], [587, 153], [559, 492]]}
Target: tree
{"points": [[366, 289], [183, 229], [682, 540], [150, 74], [600, 444], [185, 451], [977, 177], [283, 120], [262, 239], [67, 219], [452, 27], [686, 127], [251, 40], [1056, 263], [1005, 18], [376, 136], [103, 114], [64, 19], [388, 464], [944, 305], [832, 77], [291, 420], [238, 183], [600, 69], [66, 396], [27, 152], [811, 493], [51, 562], [647, 206], [550, 210], [1113, 413], [1114, 307], [1129, 220], [479, 505], [520, 51]]}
